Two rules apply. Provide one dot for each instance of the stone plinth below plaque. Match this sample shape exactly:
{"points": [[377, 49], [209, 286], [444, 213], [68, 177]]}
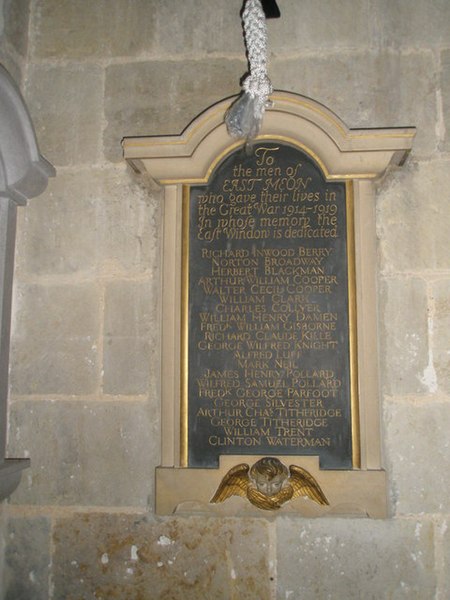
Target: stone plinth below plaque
{"points": [[352, 493]]}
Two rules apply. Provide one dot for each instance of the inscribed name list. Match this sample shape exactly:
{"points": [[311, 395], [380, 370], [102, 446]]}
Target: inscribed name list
{"points": [[268, 326]]}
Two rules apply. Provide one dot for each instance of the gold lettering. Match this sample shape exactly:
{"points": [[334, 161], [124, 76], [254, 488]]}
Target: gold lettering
{"points": [[265, 245]]}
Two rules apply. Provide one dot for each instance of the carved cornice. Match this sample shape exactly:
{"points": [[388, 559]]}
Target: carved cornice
{"points": [[344, 153]]}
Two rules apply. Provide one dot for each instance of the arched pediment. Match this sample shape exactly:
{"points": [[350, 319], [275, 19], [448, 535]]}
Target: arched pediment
{"points": [[341, 152], [24, 172]]}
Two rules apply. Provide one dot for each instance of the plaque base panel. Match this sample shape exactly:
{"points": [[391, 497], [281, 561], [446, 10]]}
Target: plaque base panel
{"points": [[354, 493]]}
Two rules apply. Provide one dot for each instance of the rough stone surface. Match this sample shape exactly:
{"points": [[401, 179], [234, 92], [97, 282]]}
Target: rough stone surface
{"points": [[414, 217], [130, 310], [56, 344], [398, 25], [85, 453], [3, 524], [354, 559], [445, 61], [15, 16], [310, 25], [14, 36], [27, 563], [131, 223], [118, 28], [90, 222], [194, 27], [105, 557], [167, 95], [126, 365], [418, 462], [66, 108], [443, 558], [93, 29], [368, 89], [441, 329], [403, 335]]}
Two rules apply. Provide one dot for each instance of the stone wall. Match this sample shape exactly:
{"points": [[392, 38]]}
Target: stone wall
{"points": [[14, 18], [84, 399]]}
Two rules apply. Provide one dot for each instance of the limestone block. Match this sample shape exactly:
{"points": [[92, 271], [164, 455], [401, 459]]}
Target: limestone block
{"points": [[15, 16], [310, 25], [443, 556], [27, 559], [199, 26], [129, 308], [397, 25], [85, 453], [65, 103], [104, 28], [404, 336], [418, 459], [58, 233], [414, 217], [353, 559], [131, 210], [130, 333], [126, 365], [440, 333], [91, 222], [133, 557], [368, 89], [162, 97], [54, 341], [445, 62]]}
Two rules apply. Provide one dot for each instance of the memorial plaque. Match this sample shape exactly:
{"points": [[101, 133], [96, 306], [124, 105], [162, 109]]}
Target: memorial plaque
{"points": [[268, 310], [265, 380]]}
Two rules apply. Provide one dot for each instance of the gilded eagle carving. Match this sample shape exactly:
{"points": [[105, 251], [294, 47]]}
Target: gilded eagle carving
{"points": [[269, 484]]}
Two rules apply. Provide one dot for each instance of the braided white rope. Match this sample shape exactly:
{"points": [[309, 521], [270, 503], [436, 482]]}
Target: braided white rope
{"points": [[245, 116], [257, 84]]}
